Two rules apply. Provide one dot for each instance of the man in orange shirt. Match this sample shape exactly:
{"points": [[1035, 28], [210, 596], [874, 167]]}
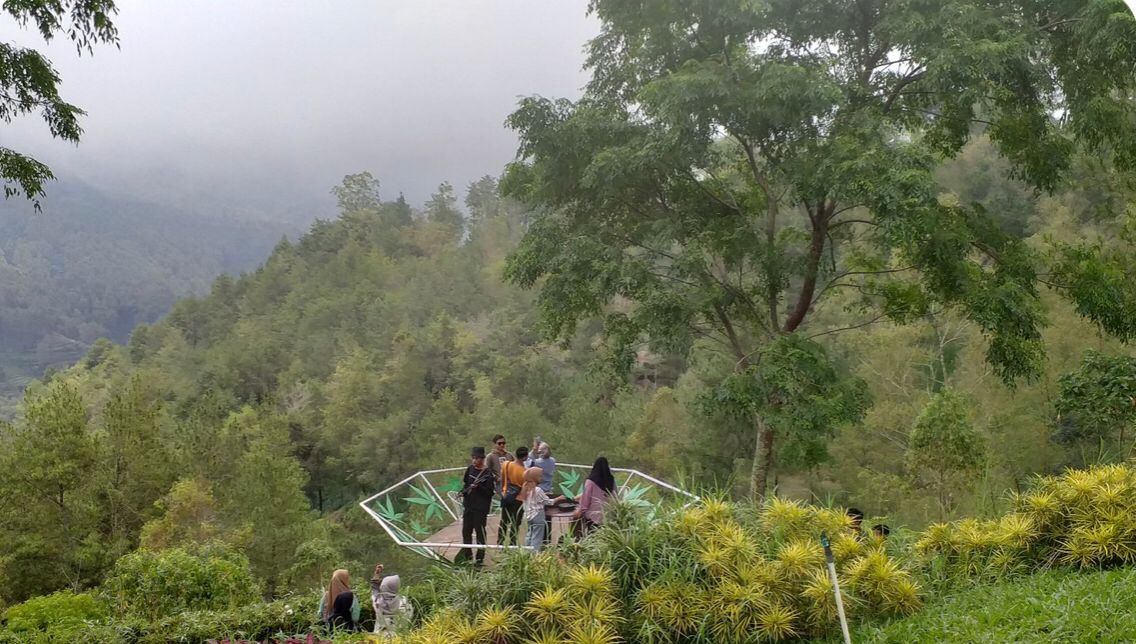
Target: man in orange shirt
{"points": [[512, 478]]}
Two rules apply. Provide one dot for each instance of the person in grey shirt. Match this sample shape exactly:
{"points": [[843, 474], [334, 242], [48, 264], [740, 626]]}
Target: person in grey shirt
{"points": [[541, 457], [498, 456]]}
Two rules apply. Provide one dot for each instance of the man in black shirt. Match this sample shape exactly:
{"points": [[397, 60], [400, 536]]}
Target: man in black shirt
{"points": [[476, 496]]}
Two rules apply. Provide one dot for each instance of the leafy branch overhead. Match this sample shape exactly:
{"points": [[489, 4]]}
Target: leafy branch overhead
{"points": [[734, 166], [29, 83]]}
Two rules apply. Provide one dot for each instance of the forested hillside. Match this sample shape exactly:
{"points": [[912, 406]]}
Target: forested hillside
{"points": [[387, 340], [93, 265]]}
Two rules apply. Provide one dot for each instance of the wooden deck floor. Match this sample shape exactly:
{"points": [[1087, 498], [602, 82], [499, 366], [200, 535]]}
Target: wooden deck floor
{"points": [[451, 534]]}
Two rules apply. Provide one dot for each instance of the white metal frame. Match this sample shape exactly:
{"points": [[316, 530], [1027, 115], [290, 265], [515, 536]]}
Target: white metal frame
{"points": [[424, 547]]}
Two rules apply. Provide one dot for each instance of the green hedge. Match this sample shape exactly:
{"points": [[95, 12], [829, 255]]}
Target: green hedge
{"points": [[151, 585]]}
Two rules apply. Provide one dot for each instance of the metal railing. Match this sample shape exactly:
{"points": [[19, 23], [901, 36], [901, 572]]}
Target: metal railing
{"points": [[425, 547]]}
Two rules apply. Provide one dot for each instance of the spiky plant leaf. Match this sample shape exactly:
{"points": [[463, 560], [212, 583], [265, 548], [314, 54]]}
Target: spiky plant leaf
{"points": [[797, 559], [545, 637], [498, 624], [590, 633], [1017, 530], [784, 515], [717, 511], [592, 581], [903, 596], [548, 608], [846, 546], [777, 622], [601, 610]]}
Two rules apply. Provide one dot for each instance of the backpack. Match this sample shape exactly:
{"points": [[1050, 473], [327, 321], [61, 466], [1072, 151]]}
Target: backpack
{"points": [[511, 490]]}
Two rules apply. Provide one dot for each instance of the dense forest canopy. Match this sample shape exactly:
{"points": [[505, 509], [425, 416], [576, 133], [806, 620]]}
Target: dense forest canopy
{"points": [[387, 341], [847, 254], [734, 166]]}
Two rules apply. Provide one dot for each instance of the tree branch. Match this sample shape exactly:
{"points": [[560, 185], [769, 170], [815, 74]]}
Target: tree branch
{"points": [[910, 78], [710, 193], [852, 221], [812, 267], [728, 327], [847, 328]]}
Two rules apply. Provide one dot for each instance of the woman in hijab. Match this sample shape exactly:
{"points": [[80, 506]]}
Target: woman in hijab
{"points": [[542, 458], [386, 601], [339, 608], [599, 487], [534, 501]]}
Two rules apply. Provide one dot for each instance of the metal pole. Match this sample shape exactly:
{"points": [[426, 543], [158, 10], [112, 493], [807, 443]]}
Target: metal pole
{"points": [[831, 562]]}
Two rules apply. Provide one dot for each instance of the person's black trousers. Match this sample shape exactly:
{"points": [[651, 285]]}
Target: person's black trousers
{"points": [[510, 522], [473, 521]]}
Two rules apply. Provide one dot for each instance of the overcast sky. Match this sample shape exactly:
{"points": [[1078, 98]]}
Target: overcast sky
{"points": [[269, 103]]}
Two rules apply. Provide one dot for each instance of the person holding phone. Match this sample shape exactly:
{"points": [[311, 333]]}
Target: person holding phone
{"points": [[390, 607]]}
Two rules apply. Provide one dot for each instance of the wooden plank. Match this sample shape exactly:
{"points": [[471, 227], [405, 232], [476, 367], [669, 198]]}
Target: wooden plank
{"points": [[451, 534]]}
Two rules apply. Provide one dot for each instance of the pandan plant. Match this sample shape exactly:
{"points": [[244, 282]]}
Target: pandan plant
{"points": [[498, 626]]}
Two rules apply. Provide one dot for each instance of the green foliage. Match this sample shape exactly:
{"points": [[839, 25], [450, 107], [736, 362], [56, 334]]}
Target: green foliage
{"points": [[796, 390], [725, 192], [47, 465], [283, 618], [1046, 607], [267, 497], [136, 457], [60, 610], [189, 518], [29, 83], [1098, 400], [944, 450], [154, 585]]}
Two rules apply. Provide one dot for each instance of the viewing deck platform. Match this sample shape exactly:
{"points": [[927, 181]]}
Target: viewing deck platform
{"points": [[422, 511]]}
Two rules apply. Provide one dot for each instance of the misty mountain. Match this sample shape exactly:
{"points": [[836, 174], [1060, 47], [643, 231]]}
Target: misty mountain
{"points": [[94, 264]]}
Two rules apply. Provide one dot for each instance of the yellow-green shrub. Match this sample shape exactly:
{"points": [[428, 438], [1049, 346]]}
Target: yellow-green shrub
{"points": [[1085, 518], [715, 572]]}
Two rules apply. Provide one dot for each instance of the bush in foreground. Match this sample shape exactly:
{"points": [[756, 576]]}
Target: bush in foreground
{"points": [[706, 574], [1082, 518], [732, 573]]}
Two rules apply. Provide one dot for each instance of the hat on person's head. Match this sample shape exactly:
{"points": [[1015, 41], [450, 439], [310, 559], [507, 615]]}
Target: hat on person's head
{"points": [[477, 452]]}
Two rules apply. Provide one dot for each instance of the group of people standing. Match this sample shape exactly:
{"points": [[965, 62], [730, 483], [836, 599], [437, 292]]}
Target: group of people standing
{"points": [[523, 481]]}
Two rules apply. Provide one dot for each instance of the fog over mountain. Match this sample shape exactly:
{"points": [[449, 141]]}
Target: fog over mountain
{"points": [[257, 109]]}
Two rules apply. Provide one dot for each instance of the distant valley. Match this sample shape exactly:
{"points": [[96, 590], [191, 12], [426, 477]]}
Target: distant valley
{"points": [[94, 264]]}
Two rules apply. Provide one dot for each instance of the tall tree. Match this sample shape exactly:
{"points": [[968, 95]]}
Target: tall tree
{"points": [[442, 209], [49, 532], [357, 192], [944, 448], [138, 468], [29, 83], [735, 165], [267, 497]]}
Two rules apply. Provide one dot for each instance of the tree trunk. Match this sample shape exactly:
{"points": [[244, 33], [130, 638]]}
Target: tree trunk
{"points": [[762, 460]]}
